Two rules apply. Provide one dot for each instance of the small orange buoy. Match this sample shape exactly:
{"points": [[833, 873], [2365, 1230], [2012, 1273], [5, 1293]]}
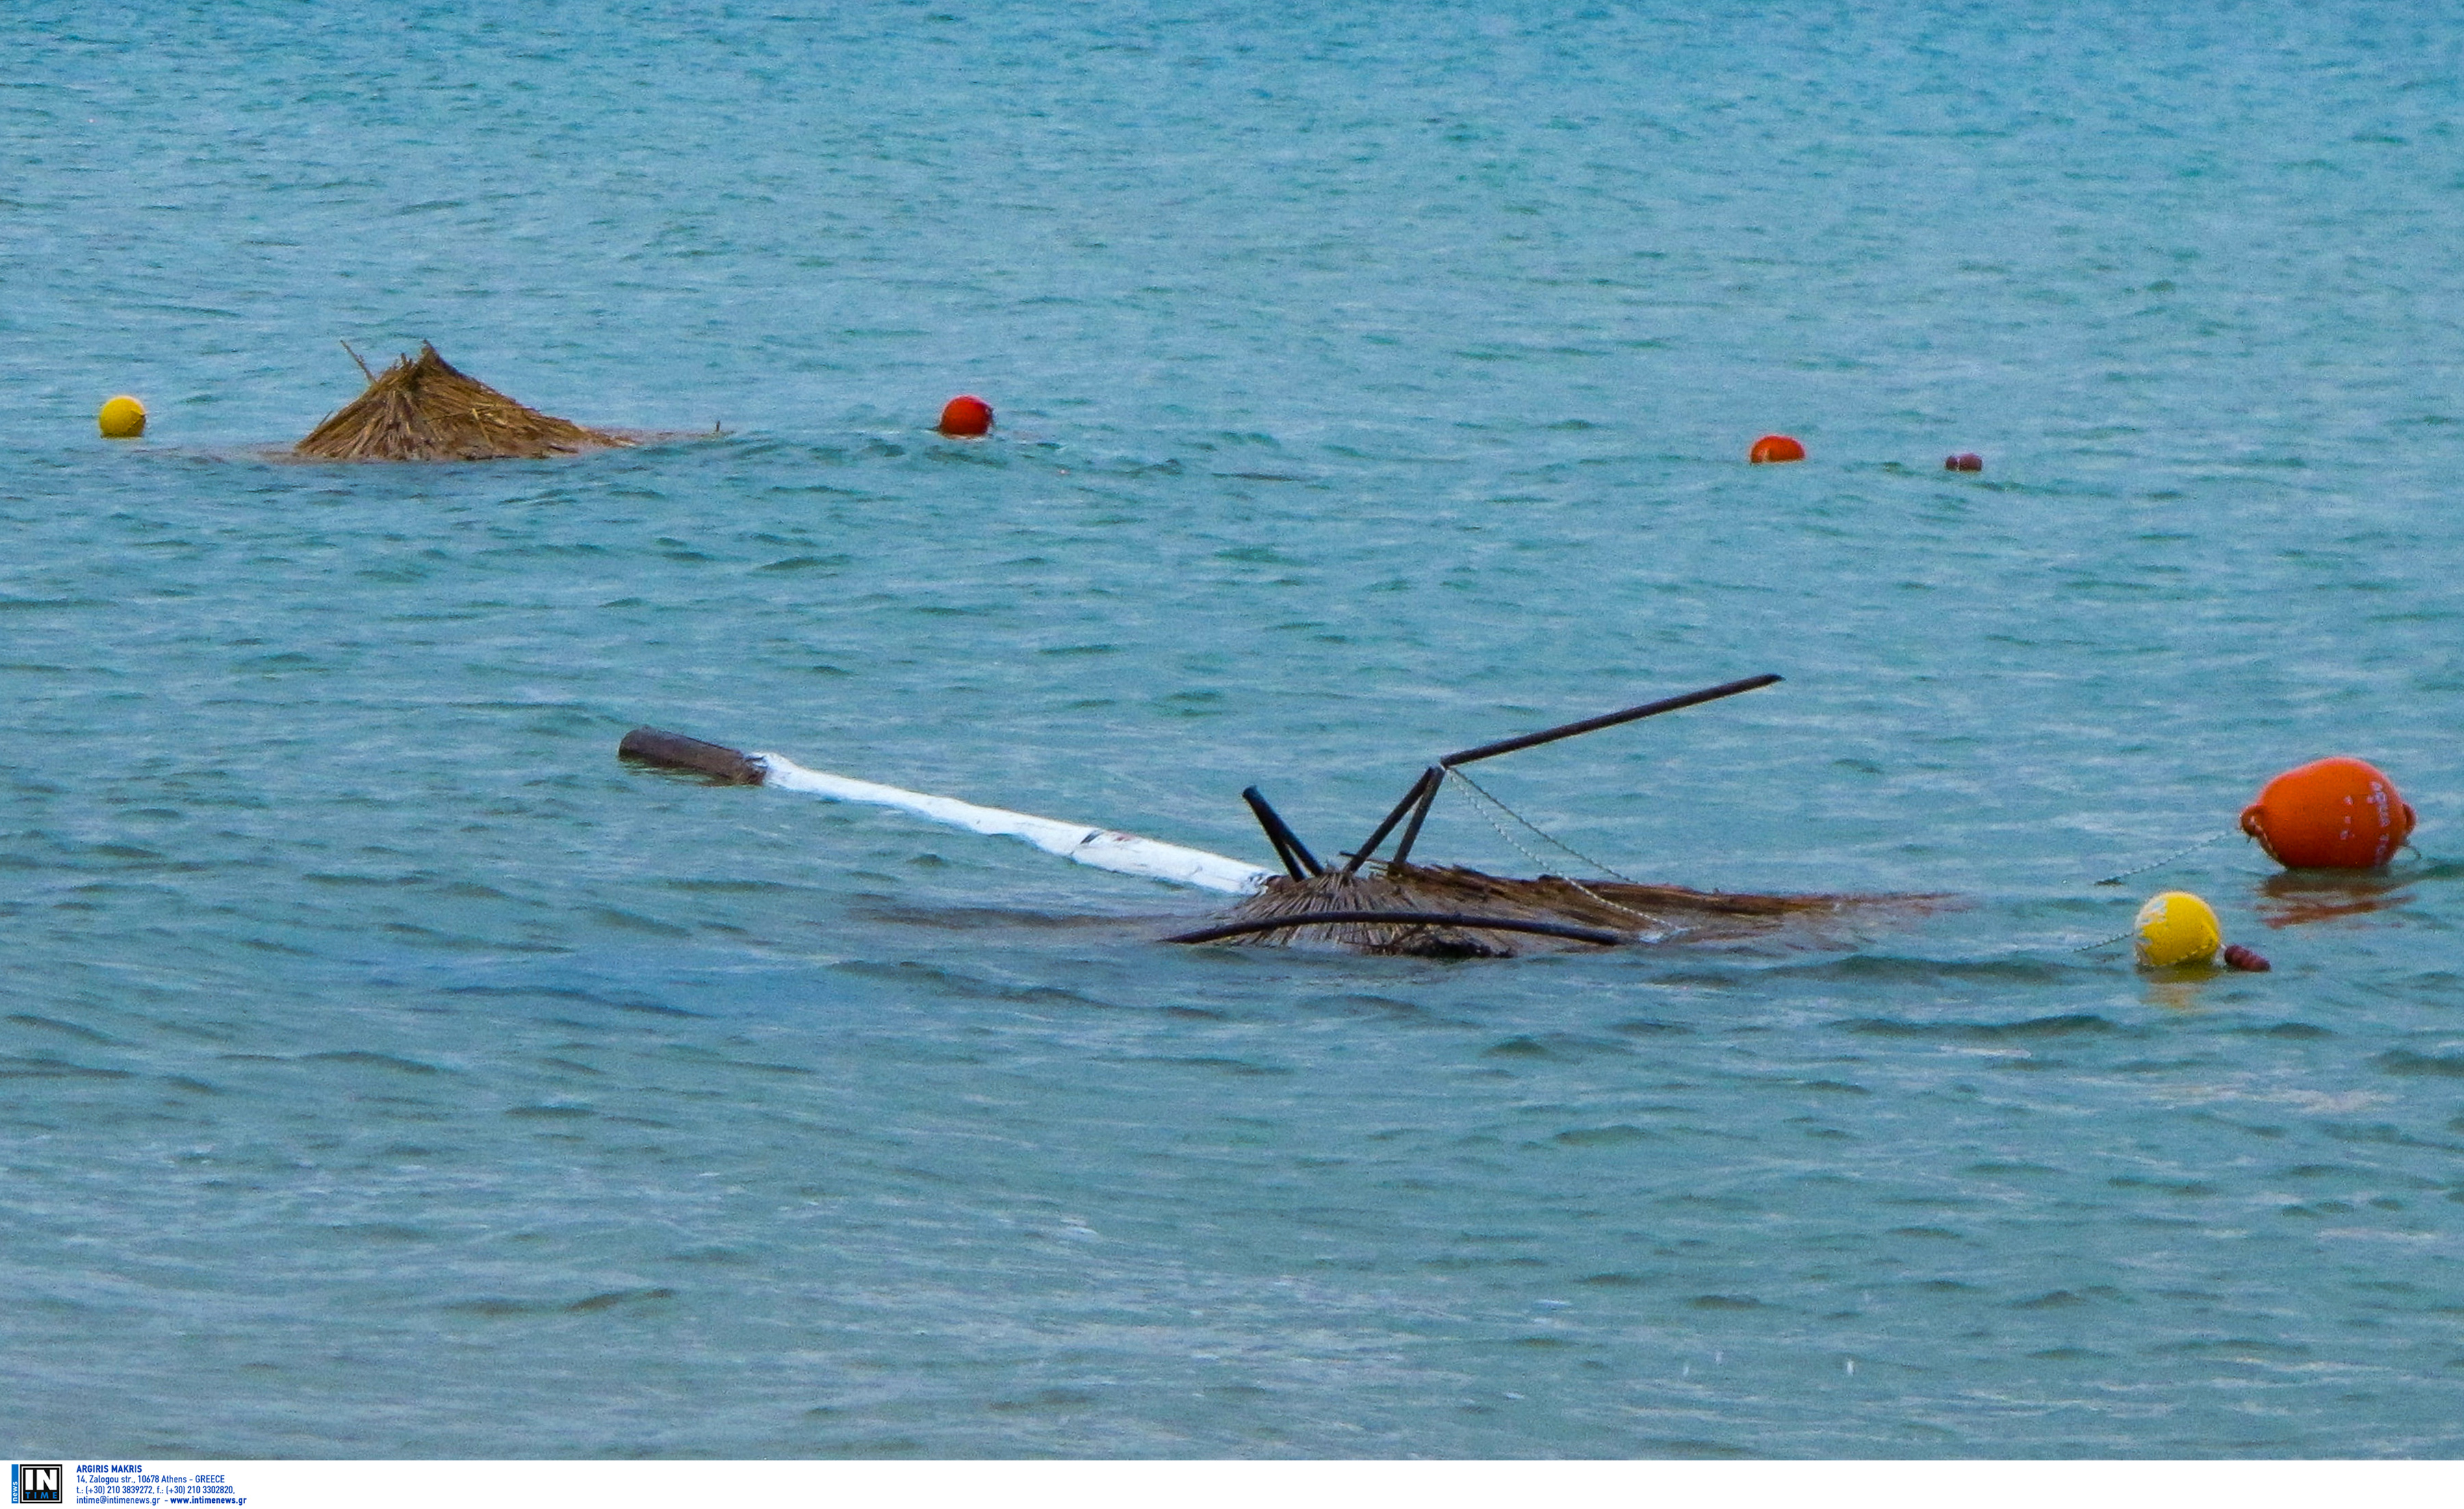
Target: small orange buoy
{"points": [[2336, 813], [1775, 447], [1965, 461], [966, 415]]}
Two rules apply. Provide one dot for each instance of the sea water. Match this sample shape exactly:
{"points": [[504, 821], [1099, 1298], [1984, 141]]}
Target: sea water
{"points": [[386, 1071]]}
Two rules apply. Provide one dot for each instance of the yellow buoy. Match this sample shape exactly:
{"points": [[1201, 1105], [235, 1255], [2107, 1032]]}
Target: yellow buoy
{"points": [[123, 417], [2175, 927]]}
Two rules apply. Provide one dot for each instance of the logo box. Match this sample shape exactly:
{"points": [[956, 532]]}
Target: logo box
{"points": [[34, 1483]]}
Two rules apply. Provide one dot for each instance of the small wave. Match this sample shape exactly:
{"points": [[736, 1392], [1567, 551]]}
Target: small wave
{"points": [[2056, 1299], [2186, 1187], [1046, 1400], [56, 1069], [2405, 1062], [614, 1297], [1690, 1449], [2073, 1024], [495, 1307], [1878, 969], [566, 993], [964, 986], [2239, 1349], [636, 922], [54, 1024], [1220, 1066], [383, 1231], [1616, 1135], [1554, 1045], [972, 919], [1358, 1003], [364, 1059]]}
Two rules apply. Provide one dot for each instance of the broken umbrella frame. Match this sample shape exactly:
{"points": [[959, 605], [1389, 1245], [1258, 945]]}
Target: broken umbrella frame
{"points": [[1302, 866]]}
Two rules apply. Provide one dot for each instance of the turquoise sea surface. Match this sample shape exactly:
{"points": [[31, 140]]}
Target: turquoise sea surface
{"points": [[386, 1071]]}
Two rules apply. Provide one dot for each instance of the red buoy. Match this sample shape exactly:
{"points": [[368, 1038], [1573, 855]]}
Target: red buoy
{"points": [[2238, 958], [2336, 813], [966, 415], [1965, 461], [1775, 447]]}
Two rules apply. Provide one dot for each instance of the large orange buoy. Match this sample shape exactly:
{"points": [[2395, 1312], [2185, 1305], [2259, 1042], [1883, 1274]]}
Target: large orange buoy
{"points": [[966, 415], [1775, 447], [2334, 814]]}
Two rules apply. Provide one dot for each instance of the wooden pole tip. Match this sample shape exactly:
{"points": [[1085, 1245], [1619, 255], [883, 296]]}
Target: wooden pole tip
{"points": [[721, 765]]}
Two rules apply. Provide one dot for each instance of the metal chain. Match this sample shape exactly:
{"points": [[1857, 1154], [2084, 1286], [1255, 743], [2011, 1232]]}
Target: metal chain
{"points": [[1544, 835], [2212, 838], [1541, 863], [2119, 937]]}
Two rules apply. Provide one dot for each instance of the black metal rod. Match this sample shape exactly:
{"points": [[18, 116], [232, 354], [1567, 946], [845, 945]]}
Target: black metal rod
{"points": [[1283, 851], [1606, 720], [1425, 919], [1351, 866], [1290, 860], [1298, 862], [1431, 784]]}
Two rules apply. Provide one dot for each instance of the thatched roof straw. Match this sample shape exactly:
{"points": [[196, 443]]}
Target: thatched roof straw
{"points": [[1644, 913], [422, 409]]}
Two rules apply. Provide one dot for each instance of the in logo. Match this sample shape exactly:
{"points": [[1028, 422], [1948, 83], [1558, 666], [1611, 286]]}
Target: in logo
{"points": [[34, 1483]]}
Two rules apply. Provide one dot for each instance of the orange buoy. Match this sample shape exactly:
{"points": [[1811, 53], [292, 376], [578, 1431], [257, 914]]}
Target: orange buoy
{"points": [[1965, 461], [966, 415], [1775, 447], [2336, 813]]}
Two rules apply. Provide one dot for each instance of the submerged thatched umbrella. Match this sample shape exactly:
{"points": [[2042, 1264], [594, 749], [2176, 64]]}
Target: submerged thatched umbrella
{"points": [[1450, 901], [422, 409]]}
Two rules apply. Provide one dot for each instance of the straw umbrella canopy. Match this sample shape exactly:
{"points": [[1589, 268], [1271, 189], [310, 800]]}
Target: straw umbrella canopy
{"points": [[423, 408]]}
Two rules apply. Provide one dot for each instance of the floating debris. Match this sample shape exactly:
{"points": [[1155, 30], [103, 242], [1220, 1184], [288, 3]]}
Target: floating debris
{"points": [[423, 408], [1367, 904]]}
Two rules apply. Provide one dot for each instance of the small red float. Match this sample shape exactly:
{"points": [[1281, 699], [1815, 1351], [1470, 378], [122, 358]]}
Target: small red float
{"points": [[1965, 461], [2238, 958], [1775, 447], [2334, 814], [966, 415]]}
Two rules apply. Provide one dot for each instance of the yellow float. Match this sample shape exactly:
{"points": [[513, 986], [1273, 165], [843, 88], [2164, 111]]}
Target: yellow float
{"points": [[123, 418], [2175, 927]]}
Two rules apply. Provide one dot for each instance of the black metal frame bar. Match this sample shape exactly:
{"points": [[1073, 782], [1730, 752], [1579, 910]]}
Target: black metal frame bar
{"points": [[1298, 862], [1425, 786], [1607, 720], [1424, 791], [1431, 784], [1425, 919]]}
